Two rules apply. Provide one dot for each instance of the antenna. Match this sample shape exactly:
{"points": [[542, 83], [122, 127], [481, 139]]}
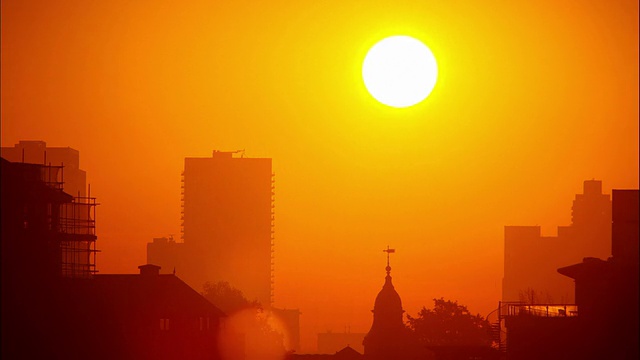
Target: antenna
{"points": [[241, 152]]}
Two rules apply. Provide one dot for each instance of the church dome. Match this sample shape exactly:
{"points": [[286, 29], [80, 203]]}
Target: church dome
{"points": [[388, 300], [388, 337], [387, 309]]}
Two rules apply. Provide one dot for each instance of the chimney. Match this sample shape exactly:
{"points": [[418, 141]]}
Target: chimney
{"points": [[149, 270]]}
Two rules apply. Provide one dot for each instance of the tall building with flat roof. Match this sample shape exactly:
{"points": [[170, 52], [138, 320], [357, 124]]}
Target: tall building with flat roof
{"points": [[227, 226]]}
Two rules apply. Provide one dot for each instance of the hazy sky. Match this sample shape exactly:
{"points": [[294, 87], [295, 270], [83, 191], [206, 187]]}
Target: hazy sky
{"points": [[533, 97]]}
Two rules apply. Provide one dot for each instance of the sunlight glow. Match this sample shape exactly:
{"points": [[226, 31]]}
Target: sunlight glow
{"points": [[399, 71]]}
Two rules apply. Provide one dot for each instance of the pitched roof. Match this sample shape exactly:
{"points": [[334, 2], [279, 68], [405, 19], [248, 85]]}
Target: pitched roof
{"points": [[347, 353], [589, 267], [162, 294]]}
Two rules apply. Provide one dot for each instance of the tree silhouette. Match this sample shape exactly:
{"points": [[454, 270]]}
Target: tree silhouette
{"points": [[227, 298], [449, 323], [532, 296]]}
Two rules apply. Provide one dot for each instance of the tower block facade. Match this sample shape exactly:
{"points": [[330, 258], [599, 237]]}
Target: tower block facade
{"points": [[228, 222]]}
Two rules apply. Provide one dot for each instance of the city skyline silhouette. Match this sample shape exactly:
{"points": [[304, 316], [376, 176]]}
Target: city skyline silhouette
{"points": [[532, 99], [143, 315]]}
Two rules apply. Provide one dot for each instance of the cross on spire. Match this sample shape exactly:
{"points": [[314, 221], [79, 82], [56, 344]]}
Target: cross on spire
{"points": [[388, 251]]}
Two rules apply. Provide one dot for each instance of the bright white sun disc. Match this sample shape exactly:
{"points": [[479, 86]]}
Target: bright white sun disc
{"points": [[399, 71]]}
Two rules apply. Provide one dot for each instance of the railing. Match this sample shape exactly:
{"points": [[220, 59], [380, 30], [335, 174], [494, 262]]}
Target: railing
{"points": [[545, 310], [52, 176], [78, 251], [78, 217], [512, 308], [78, 258]]}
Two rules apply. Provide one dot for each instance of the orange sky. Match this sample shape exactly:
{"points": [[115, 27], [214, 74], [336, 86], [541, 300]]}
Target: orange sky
{"points": [[533, 98]]}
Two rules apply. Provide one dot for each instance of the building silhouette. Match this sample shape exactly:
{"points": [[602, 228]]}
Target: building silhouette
{"points": [[603, 324], [62, 168], [227, 231], [45, 231], [169, 253], [388, 337], [37, 152], [227, 225], [346, 353], [531, 260], [290, 320], [48, 237], [55, 306], [331, 342], [607, 290], [144, 316]]}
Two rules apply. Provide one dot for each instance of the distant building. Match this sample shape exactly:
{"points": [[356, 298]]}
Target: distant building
{"points": [[346, 353], [330, 342], [227, 225], [37, 152], [168, 254], [603, 324], [290, 320], [227, 231], [531, 260]]}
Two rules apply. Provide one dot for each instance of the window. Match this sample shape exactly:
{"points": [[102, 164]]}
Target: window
{"points": [[164, 324]]}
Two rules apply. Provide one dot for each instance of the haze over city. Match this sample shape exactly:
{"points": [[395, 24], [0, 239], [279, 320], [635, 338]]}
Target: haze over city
{"points": [[531, 100]]}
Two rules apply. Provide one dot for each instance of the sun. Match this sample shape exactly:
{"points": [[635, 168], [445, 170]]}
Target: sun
{"points": [[400, 71]]}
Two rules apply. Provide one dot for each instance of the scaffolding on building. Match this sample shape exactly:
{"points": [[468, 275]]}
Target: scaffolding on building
{"points": [[77, 229], [63, 226], [73, 225], [52, 176]]}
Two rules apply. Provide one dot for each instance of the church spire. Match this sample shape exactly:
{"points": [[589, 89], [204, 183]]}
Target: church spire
{"points": [[388, 251], [387, 338]]}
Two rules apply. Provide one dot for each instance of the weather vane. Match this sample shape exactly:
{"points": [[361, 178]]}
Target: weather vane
{"points": [[388, 251]]}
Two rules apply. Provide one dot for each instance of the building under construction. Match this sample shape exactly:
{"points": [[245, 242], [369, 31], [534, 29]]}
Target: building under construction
{"points": [[57, 213], [54, 307], [37, 152], [48, 242], [46, 232]]}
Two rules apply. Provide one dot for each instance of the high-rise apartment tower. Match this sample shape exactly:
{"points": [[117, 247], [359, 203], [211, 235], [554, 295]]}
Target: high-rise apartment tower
{"points": [[227, 228]]}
